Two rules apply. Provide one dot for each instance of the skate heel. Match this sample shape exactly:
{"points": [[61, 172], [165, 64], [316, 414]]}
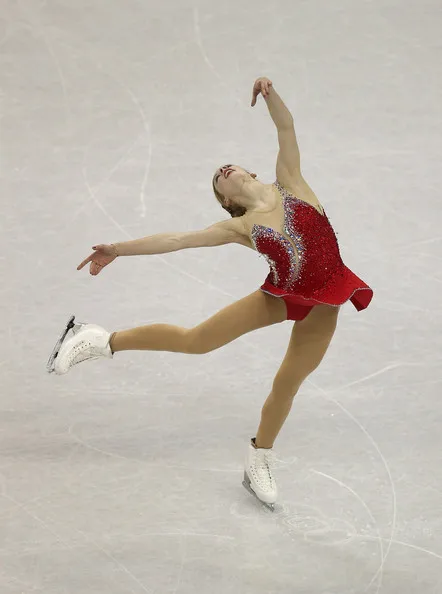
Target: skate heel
{"points": [[71, 325]]}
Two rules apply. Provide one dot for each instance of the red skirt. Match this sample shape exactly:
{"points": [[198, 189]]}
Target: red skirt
{"points": [[343, 286]]}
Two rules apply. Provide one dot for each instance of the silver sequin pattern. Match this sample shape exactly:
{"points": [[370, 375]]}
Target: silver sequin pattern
{"points": [[289, 204], [259, 231]]}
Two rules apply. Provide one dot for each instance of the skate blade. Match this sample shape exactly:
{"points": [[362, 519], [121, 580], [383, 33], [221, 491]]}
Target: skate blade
{"points": [[50, 368], [247, 485]]}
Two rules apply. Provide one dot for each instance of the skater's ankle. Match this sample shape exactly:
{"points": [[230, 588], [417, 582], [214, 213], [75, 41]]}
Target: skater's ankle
{"points": [[259, 446], [111, 342]]}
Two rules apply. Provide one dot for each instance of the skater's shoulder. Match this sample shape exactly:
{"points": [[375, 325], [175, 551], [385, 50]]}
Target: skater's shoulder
{"points": [[221, 233], [232, 230]]}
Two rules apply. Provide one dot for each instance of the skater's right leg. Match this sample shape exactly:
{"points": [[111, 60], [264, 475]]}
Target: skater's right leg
{"points": [[250, 313], [308, 345]]}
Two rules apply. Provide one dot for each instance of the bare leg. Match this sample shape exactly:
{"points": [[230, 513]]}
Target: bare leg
{"points": [[308, 344], [250, 313]]}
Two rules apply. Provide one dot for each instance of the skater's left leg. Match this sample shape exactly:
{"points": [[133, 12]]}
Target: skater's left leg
{"points": [[92, 342], [308, 344]]}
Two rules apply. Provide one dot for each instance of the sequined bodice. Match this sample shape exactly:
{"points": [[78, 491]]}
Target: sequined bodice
{"points": [[305, 254]]}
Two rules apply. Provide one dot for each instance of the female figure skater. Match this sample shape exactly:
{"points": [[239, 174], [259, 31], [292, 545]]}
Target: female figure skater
{"points": [[307, 283]]}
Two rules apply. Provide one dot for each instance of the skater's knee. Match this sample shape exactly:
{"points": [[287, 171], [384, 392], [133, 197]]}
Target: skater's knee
{"points": [[195, 343], [285, 388], [293, 374]]}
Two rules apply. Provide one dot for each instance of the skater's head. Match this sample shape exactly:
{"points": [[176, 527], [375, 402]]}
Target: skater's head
{"points": [[228, 183]]}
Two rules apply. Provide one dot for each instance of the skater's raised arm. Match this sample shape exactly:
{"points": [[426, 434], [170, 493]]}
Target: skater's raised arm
{"points": [[288, 166], [230, 231]]}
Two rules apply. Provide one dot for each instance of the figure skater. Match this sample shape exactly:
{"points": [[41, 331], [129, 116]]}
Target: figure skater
{"points": [[307, 283]]}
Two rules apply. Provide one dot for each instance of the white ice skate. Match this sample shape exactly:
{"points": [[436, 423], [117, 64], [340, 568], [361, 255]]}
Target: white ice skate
{"points": [[258, 478], [86, 343]]}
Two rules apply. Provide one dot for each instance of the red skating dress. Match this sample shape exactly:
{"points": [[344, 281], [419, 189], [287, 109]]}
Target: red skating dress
{"points": [[307, 270]]}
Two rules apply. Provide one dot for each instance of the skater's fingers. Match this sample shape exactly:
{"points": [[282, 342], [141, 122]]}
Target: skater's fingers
{"points": [[95, 268], [83, 264]]}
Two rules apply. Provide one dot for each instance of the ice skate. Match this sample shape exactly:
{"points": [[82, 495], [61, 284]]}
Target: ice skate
{"points": [[258, 478], [87, 342]]}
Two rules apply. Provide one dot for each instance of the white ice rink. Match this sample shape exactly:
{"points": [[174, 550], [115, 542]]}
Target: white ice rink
{"points": [[124, 477]]}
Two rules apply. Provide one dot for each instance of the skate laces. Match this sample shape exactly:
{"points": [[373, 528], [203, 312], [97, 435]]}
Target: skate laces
{"points": [[82, 351], [267, 457], [262, 464]]}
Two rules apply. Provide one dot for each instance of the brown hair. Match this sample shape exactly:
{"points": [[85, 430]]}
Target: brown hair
{"points": [[234, 210]]}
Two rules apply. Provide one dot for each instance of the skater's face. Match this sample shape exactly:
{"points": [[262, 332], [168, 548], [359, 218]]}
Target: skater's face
{"points": [[228, 183], [228, 177]]}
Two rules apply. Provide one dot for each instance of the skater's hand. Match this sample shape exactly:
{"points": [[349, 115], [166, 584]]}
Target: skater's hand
{"points": [[262, 85], [100, 257]]}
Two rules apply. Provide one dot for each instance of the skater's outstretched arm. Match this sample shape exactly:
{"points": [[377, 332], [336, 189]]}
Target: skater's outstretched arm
{"points": [[288, 165], [230, 231]]}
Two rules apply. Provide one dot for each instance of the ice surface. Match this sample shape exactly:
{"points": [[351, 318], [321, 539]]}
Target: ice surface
{"points": [[125, 476]]}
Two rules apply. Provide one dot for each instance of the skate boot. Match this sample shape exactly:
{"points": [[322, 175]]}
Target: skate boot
{"points": [[258, 478], [87, 342]]}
